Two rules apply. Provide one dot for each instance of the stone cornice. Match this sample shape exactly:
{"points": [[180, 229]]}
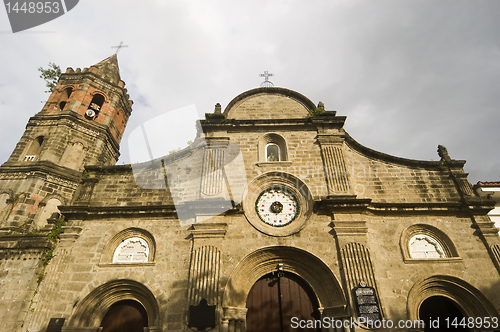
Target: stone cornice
{"points": [[311, 123], [42, 169], [343, 202], [90, 211], [87, 212], [351, 202], [208, 230], [30, 246]]}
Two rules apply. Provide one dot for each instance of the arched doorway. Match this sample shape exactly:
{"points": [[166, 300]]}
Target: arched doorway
{"points": [[439, 313], [275, 299], [91, 311], [125, 316]]}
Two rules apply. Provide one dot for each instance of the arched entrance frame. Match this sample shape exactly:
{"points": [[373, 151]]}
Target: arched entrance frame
{"points": [[324, 284], [470, 299], [91, 310]]}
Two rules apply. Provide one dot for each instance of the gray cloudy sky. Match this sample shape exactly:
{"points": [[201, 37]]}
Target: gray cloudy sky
{"points": [[409, 75]]}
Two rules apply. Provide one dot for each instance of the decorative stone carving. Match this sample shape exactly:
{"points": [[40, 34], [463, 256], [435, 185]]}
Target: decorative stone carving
{"points": [[335, 169], [213, 173], [204, 275], [357, 266]]}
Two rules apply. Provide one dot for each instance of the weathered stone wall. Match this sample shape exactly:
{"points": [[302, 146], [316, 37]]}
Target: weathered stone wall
{"points": [[79, 267], [116, 186], [395, 277], [21, 266], [26, 191], [384, 181]]}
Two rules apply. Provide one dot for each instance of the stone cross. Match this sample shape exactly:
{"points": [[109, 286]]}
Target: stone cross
{"points": [[266, 82], [119, 46]]}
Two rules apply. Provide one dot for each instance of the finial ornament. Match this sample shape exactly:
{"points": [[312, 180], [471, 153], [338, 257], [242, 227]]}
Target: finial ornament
{"points": [[266, 82], [218, 109], [118, 47], [443, 153]]}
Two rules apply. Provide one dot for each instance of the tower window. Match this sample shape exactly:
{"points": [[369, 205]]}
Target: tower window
{"points": [[34, 149], [64, 97], [94, 107]]}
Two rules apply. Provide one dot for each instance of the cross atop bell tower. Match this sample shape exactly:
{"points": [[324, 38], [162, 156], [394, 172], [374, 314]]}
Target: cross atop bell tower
{"points": [[118, 47]]}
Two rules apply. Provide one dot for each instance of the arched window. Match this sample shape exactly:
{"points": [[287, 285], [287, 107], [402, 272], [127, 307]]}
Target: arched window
{"points": [[34, 150], [95, 107], [272, 152], [64, 97], [424, 242], [272, 148], [424, 246], [132, 250], [130, 246]]}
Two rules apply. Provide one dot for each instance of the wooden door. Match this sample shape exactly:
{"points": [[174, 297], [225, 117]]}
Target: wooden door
{"points": [[273, 301], [439, 308], [125, 316]]}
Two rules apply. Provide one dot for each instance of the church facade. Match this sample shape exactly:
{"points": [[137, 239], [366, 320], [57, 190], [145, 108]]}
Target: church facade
{"points": [[274, 219]]}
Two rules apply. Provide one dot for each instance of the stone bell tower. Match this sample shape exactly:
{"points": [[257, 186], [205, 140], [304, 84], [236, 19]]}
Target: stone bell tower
{"points": [[81, 124]]}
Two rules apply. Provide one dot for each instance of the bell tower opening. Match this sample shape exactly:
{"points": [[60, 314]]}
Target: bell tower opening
{"points": [[34, 150], [64, 97], [94, 107], [278, 297], [125, 316], [438, 312]]}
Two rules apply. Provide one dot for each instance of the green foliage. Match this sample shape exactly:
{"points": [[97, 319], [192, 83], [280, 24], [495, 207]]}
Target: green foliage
{"points": [[317, 111], [41, 276], [48, 257], [189, 143], [86, 173], [56, 230], [52, 236], [50, 76]]}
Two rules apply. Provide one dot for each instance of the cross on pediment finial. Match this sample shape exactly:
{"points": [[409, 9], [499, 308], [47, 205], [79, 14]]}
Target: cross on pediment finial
{"points": [[267, 82], [118, 47]]}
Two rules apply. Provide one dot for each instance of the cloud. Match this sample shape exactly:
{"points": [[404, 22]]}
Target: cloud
{"points": [[408, 74]]}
